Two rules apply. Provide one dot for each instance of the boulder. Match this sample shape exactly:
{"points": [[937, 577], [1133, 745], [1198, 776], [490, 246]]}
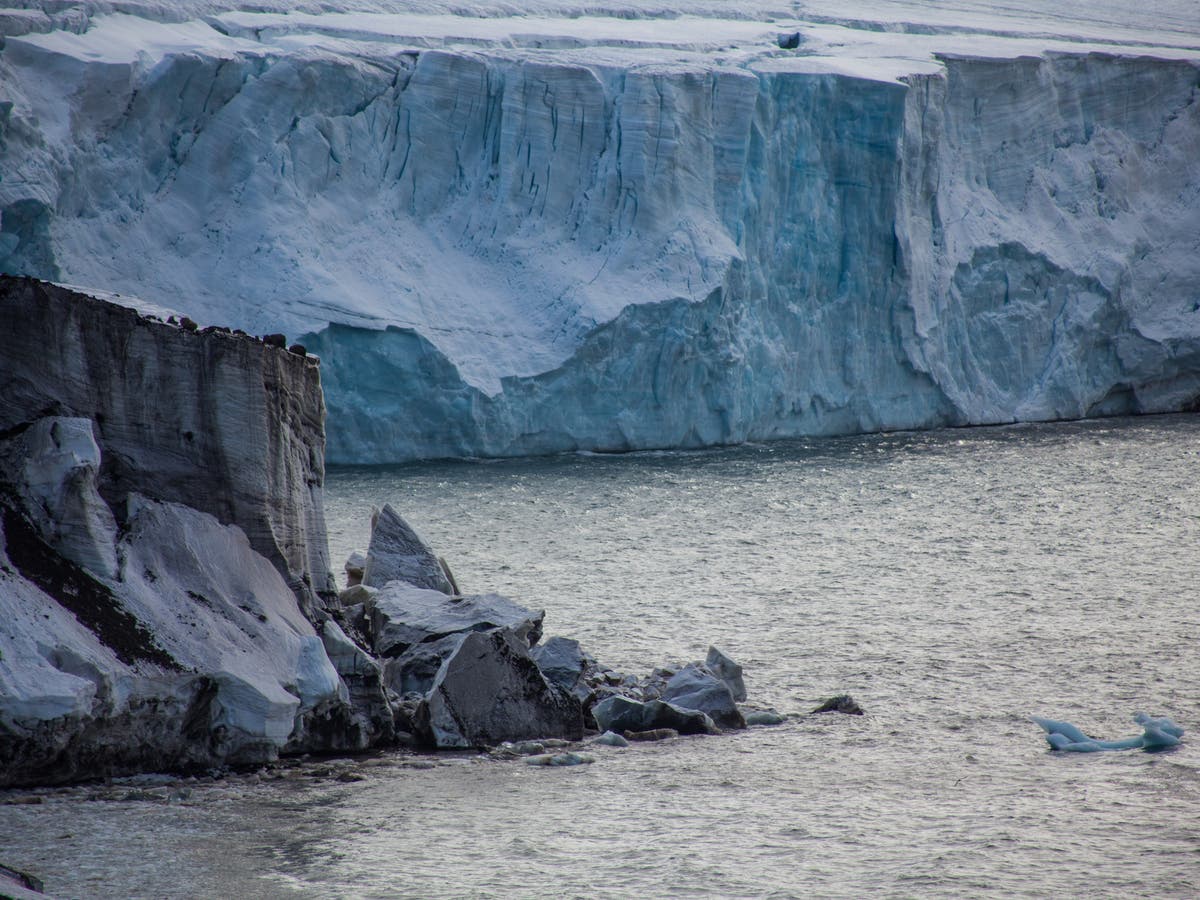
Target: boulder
{"points": [[566, 664], [356, 595], [842, 703], [611, 739], [694, 687], [401, 615], [621, 714], [356, 562], [489, 690], [728, 671], [764, 717], [397, 553], [560, 759]]}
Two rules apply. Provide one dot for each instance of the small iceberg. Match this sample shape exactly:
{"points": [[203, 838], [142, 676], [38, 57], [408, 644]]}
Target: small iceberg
{"points": [[1157, 734]]}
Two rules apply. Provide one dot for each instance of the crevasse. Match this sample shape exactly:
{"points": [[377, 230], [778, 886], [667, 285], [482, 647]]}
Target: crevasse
{"points": [[502, 253]]}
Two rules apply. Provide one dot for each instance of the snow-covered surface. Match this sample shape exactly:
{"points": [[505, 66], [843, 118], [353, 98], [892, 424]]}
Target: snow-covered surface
{"points": [[992, 195]]}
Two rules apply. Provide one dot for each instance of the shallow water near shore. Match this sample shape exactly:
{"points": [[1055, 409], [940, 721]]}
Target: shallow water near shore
{"points": [[955, 582]]}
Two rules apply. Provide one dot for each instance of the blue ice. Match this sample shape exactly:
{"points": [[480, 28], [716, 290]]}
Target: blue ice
{"points": [[1157, 734]]}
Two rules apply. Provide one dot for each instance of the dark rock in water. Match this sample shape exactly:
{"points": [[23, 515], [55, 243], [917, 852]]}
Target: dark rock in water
{"points": [[842, 703], [560, 759], [617, 713], [622, 714], [298, 349], [693, 687], [789, 41], [275, 340], [490, 691], [402, 615], [654, 734], [764, 717], [611, 739], [728, 671], [660, 714], [397, 553]]}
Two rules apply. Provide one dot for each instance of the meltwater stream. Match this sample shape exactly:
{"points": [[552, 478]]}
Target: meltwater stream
{"points": [[954, 582]]}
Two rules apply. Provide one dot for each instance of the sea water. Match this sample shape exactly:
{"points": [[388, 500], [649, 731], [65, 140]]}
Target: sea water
{"points": [[954, 582]]}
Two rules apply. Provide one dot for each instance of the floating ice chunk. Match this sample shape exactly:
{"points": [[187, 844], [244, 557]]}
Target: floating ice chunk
{"points": [[1157, 734]]}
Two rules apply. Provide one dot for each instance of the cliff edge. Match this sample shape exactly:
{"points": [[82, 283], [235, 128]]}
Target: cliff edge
{"points": [[163, 557]]}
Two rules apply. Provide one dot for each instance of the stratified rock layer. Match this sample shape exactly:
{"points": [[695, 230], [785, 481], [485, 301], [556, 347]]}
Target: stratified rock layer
{"points": [[219, 422], [161, 541]]}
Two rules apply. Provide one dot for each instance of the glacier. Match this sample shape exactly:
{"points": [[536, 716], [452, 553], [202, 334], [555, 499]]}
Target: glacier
{"points": [[630, 225]]}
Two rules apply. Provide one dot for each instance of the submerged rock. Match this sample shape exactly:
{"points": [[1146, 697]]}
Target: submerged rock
{"points": [[489, 691], [611, 739], [397, 553], [560, 759], [842, 703], [764, 717]]}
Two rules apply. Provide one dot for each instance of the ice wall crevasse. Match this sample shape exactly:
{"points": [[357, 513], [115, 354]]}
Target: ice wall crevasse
{"points": [[499, 252], [1052, 235]]}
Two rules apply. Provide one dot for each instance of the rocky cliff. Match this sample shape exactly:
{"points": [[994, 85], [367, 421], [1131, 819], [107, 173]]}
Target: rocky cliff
{"points": [[161, 540]]}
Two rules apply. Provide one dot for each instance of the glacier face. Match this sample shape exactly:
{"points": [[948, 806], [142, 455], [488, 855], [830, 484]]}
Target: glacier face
{"points": [[525, 234]]}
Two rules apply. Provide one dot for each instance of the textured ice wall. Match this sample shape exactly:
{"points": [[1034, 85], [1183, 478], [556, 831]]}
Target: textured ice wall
{"points": [[526, 252], [1002, 241]]}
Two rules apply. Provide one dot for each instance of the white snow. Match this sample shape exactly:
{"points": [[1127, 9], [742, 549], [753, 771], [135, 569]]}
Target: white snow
{"points": [[928, 213]]}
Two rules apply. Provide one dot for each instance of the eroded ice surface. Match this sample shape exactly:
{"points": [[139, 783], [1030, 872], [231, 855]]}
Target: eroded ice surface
{"points": [[629, 225]]}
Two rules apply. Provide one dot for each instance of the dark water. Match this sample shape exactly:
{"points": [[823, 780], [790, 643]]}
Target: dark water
{"points": [[954, 582]]}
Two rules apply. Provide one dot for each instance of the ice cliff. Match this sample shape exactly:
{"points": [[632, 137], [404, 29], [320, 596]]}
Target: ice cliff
{"points": [[623, 226], [161, 538]]}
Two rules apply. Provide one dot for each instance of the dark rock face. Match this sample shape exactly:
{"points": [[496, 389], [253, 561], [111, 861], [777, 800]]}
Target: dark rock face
{"points": [[693, 687], [162, 550], [397, 553], [489, 690], [218, 422], [415, 670]]}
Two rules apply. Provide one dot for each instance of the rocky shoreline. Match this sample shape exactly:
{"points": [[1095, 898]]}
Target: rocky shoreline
{"points": [[166, 595]]}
